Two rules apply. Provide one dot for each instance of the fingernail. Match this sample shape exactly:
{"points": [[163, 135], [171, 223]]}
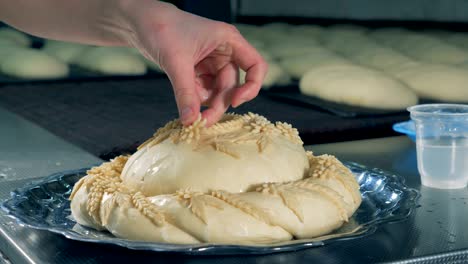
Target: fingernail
{"points": [[241, 101], [185, 114]]}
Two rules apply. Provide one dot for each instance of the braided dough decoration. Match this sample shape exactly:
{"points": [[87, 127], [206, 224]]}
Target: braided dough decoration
{"points": [[243, 180]]}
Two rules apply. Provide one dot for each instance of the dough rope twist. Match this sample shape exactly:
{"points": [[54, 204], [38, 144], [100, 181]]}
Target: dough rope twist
{"points": [[323, 198]]}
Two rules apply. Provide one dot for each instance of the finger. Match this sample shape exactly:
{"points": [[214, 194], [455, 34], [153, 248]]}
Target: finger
{"points": [[205, 88], [255, 67], [226, 83], [182, 76]]}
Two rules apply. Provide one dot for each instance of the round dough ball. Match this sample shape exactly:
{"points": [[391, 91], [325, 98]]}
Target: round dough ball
{"points": [[273, 33], [280, 50], [346, 28], [380, 57], [32, 64], [167, 167], [64, 51], [431, 50], [389, 36], [358, 86], [435, 81], [7, 42], [277, 27], [255, 42], [111, 60], [348, 44], [16, 36], [6, 47], [458, 39], [309, 31], [297, 66], [276, 75]]}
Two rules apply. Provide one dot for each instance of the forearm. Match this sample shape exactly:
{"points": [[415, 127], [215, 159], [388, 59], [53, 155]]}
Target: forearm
{"points": [[98, 22]]}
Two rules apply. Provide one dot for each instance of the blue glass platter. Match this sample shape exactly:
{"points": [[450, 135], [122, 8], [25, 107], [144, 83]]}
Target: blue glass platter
{"points": [[44, 205]]}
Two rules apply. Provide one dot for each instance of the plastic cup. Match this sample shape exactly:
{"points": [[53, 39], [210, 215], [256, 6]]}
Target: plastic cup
{"points": [[442, 144]]}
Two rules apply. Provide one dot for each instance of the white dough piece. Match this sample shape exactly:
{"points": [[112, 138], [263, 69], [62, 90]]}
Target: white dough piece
{"points": [[309, 31], [6, 46], [16, 36], [458, 39], [7, 42], [111, 60], [346, 28], [431, 50], [358, 86], [64, 51], [281, 50], [277, 27], [440, 82], [389, 36], [349, 43], [297, 66], [380, 57], [276, 75], [32, 64], [424, 47]]}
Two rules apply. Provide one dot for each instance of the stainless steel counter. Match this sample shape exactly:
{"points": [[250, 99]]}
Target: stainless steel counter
{"points": [[438, 225]]}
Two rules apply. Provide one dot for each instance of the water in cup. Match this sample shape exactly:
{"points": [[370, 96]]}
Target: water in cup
{"points": [[443, 162]]}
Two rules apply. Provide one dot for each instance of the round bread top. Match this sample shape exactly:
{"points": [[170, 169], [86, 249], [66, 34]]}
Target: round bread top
{"points": [[236, 154]]}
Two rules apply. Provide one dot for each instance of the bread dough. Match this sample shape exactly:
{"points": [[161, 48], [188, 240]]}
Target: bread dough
{"points": [[276, 75], [309, 31], [431, 50], [389, 36], [346, 28], [7, 42], [458, 39], [32, 64], [18, 37], [111, 60], [64, 51], [358, 86], [244, 180], [349, 43], [440, 82], [281, 50], [380, 57], [6, 47], [426, 48], [297, 66]]}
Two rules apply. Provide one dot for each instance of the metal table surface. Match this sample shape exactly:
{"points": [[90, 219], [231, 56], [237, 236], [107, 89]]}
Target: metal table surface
{"points": [[437, 226]]}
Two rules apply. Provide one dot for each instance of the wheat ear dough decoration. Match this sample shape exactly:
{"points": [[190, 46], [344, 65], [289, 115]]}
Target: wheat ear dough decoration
{"points": [[244, 180]]}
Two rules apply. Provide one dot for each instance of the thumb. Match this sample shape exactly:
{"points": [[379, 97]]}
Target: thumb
{"points": [[182, 77]]}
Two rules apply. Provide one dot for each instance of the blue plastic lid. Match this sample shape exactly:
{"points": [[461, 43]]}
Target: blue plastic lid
{"points": [[407, 128]]}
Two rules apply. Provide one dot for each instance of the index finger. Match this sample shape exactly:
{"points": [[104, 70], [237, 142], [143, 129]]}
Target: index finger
{"points": [[249, 60]]}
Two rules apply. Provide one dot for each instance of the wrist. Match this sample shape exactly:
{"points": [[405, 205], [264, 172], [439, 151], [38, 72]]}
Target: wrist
{"points": [[133, 15]]}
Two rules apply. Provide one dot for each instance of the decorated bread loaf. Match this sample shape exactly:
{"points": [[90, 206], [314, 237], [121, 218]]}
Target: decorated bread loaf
{"points": [[243, 180]]}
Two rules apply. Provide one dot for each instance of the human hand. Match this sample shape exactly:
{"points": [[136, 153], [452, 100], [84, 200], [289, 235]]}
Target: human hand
{"points": [[201, 57]]}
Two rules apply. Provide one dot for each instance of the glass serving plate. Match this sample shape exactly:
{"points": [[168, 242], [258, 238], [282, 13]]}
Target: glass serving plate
{"points": [[44, 205]]}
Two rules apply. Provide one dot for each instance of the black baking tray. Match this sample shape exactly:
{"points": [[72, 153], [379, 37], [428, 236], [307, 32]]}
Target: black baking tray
{"points": [[78, 74]]}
